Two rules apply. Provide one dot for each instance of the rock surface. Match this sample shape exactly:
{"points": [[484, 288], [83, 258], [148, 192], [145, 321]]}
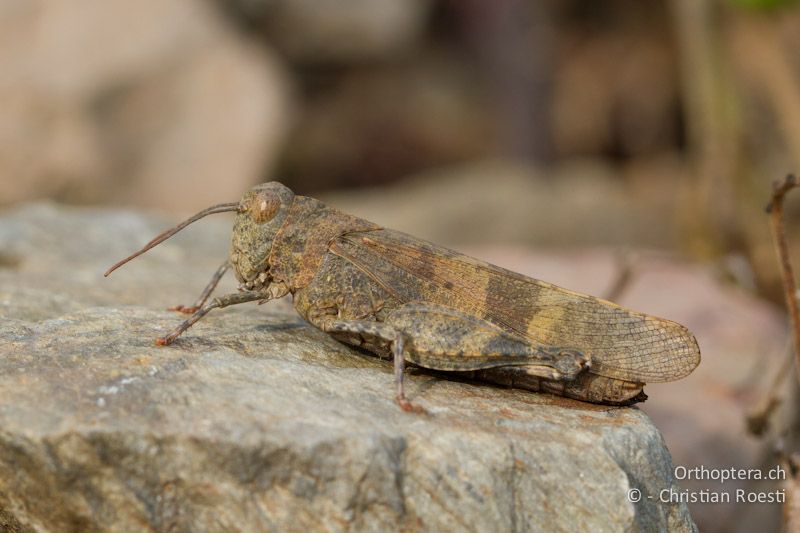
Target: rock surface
{"points": [[255, 421]]}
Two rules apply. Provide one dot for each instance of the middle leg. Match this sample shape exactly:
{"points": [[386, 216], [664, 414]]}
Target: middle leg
{"points": [[394, 338], [219, 302]]}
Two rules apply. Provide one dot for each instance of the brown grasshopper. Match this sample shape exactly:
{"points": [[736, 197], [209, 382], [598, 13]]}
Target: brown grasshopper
{"points": [[396, 295]]}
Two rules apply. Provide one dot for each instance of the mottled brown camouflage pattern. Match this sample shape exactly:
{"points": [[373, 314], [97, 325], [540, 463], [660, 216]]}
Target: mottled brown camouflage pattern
{"points": [[461, 314], [396, 295]]}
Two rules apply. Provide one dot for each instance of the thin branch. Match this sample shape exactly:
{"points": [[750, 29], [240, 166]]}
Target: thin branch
{"points": [[623, 277], [791, 510], [758, 419], [775, 210]]}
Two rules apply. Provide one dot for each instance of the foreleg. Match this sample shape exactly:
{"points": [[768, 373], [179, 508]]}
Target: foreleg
{"points": [[188, 310]]}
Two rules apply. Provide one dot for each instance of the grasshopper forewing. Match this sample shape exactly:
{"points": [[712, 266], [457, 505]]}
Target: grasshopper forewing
{"points": [[623, 345]]}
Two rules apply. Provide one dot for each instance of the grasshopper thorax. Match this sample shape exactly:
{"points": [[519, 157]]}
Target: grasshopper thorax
{"points": [[262, 212]]}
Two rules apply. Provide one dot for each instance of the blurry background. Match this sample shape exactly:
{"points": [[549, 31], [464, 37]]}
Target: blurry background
{"points": [[658, 123], [504, 127]]}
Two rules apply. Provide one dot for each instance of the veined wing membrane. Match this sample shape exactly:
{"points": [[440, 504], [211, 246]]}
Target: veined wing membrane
{"points": [[623, 344]]}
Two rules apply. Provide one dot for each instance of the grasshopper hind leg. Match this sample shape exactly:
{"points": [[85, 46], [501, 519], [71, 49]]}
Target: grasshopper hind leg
{"points": [[442, 338]]}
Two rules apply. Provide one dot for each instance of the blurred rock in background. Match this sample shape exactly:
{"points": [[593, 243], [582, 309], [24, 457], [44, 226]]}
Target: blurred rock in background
{"points": [[160, 104], [327, 32], [181, 105], [502, 202]]}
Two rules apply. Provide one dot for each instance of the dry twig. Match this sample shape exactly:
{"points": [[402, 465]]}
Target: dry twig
{"points": [[791, 509], [775, 210], [758, 419], [623, 277]]}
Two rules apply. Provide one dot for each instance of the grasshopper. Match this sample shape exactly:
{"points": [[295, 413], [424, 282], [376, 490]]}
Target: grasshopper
{"points": [[401, 297]]}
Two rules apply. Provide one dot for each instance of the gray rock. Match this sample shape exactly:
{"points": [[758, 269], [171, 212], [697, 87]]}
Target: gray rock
{"points": [[255, 421]]}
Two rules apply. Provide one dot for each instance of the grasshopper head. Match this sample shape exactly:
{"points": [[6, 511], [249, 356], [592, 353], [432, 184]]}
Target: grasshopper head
{"points": [[262, 212]]}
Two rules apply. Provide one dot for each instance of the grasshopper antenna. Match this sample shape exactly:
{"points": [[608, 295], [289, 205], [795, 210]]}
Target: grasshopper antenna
{"points": [[219, 208]]}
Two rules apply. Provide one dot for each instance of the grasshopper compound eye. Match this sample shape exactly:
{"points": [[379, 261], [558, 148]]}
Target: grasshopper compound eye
{"points": [[264, 206]]}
